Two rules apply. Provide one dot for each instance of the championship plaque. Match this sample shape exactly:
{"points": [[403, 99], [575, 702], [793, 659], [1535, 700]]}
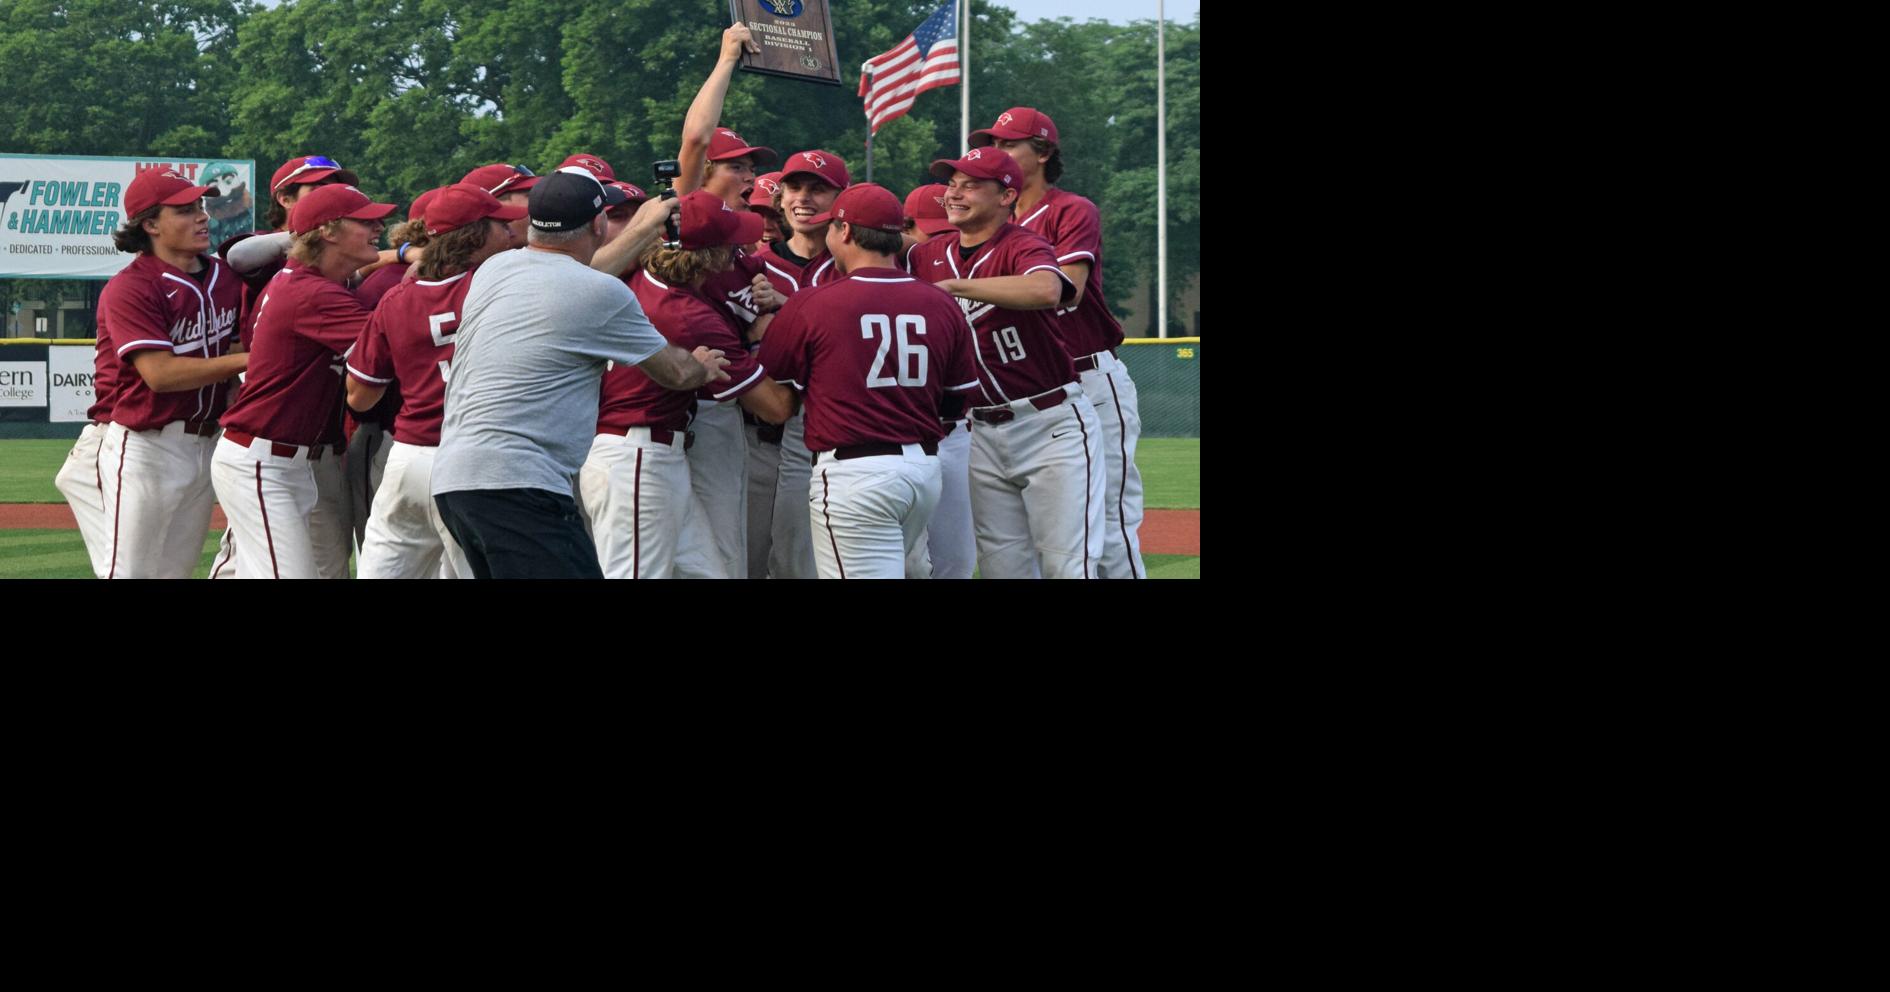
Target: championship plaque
{"points": [[796, 39]]}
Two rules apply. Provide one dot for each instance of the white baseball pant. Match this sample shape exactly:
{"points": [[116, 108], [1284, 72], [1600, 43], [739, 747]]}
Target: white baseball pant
{"points": [[223, 563], [764, 467], [156, 492], [1037, 490], [714, 542], [330, 523], [365, 465], [1112, 393], [268, 499], [81, 481], [867, 514], [635, 491], [950, 550], [405, 538]]}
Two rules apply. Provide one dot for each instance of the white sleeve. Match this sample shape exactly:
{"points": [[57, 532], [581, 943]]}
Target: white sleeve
{"points": [[254, 252]]}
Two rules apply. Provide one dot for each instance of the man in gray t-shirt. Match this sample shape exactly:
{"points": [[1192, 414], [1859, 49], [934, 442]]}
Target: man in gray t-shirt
{"points": [[535, 331]]}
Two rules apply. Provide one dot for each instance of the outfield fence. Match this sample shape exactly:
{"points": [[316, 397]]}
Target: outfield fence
{"points": [[46, 385]]}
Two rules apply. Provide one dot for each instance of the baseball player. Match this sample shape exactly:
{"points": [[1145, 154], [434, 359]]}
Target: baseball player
{"points": [[259, 259], [1036, 471], [761, 201], [81, 478], [170, 320], [512, 184], [874, 352], [778, 532], [1090, 333], [274, 434], [636, 483], [949, 550], [408, 345]]}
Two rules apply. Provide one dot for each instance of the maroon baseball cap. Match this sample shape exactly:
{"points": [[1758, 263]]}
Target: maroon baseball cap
{"points": [[461, 204], [166, 186], [982, 163], [708, 222], [309, 169], [600, 168], [418, 210], [926, 208], [763, 196], [1015, 124], [633, 195], [726, 144], [866, 205], [826, 165], [501, 178], [325, 203]]}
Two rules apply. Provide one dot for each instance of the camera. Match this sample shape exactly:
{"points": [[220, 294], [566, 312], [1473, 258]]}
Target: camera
{"points": [[666, 173]]}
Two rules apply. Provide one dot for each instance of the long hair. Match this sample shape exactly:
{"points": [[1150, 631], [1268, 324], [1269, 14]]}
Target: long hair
{"points": [[132, 237], [1052, 158], [452, 253], [685, 267], [413, 232], [277, 216]]}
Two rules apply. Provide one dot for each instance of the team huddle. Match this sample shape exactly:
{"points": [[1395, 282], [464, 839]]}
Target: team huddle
{"points": [[768, 374]]}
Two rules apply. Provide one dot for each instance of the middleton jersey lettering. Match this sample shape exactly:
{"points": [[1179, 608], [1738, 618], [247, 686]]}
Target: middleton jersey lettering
{"points": [[409, 342], [874, 352], [1018, 351], [155, 306]]}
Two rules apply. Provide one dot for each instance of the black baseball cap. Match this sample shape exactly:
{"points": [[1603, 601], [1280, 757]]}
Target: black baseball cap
{"points": [[568, 198]]}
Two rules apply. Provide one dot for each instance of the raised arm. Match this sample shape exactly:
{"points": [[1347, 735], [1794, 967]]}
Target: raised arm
{"points": [[705, 112]]}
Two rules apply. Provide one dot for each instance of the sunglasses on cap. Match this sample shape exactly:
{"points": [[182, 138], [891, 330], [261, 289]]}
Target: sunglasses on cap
{"points": [[312, 162]]}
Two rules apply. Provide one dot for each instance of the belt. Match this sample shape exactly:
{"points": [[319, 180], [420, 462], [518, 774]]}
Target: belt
{"points": [[1003, 414], [207, 428], [276, 448], [768, 433], [1087, 363], [950, 426], [657, 434], [881, 448]]}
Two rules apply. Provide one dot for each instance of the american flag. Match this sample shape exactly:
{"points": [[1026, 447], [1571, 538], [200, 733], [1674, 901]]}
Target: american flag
{"points": [[927, 59]]}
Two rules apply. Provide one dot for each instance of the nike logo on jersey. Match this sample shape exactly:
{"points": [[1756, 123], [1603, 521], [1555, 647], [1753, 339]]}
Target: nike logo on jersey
{"points": [[172, 293], [938, 261]]}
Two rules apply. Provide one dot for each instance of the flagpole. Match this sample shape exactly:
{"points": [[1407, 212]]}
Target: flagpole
{"points": [[869, 151], [964, 77], [1161, 170]]}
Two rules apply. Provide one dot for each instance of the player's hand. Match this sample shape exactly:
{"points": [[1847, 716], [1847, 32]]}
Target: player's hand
{"points": [[650, 216], [736, 40], [711, 359], [766, 296]]}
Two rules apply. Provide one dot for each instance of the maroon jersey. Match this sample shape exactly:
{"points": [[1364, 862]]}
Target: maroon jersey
{"points": [[1073, 226], [254, 284], [632, 399], [379, 282], [1019, 353], [153, 305], [734, 290], [305, 327], [104, 379], [408, 345], [874, 352], [797, 274]]}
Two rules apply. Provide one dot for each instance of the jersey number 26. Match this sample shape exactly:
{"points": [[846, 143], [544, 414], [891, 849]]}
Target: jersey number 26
{"points": [[910, 367]]}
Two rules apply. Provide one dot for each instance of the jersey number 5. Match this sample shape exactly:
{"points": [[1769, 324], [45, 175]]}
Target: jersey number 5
{"points": [[444, 326], [910, 370]]}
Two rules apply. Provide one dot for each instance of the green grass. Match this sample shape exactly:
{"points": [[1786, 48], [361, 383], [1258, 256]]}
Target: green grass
{"points": [[1171, 479], [60, 554], [27, 469], [1171, 472]]}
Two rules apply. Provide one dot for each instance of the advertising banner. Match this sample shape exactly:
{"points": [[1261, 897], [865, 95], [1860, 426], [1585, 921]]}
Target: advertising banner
{"points": [[69, 371], [58, 212]]}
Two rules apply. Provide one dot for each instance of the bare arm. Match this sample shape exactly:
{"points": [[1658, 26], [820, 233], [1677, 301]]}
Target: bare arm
{"points": [[362, 397], [1040, 290], [705, 112], [769, 400], [165, 372], [254, 252], [759, 329], [674, 368], [641, 235]]}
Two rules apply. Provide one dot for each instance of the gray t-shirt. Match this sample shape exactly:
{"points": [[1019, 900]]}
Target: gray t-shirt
{"points": [[528, 366]]}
